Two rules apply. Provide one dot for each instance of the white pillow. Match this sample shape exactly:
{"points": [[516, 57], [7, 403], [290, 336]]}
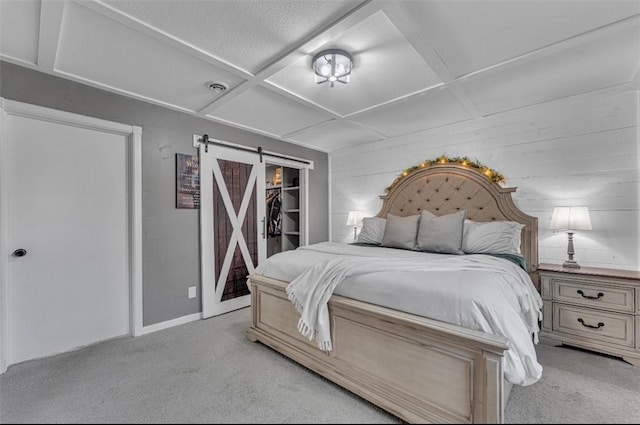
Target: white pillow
{"points": [[372, 230], [441, 234], [400, 232], [492, 237]]}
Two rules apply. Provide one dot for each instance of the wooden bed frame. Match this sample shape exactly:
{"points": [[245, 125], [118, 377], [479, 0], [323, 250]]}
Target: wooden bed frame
{"points": [[418, 369]]}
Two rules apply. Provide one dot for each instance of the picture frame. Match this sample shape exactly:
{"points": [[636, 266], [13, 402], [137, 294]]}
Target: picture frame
{"points": [[187, 181]]}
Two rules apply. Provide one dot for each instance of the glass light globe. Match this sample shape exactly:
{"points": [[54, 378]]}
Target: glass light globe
{"points": [[332, 65]]}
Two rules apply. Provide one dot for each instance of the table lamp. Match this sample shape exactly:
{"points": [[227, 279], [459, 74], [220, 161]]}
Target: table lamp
{"points": [[353, 219], [570, 219]]}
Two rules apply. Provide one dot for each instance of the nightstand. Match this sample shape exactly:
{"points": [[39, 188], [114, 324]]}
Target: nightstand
{"points": [[593, 308]]}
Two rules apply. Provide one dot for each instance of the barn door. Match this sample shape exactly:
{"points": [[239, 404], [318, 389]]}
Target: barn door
{"points": [[232, 187]]}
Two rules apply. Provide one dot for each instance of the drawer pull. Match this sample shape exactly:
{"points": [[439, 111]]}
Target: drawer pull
{"points": [[600, 324], [600, 295]]}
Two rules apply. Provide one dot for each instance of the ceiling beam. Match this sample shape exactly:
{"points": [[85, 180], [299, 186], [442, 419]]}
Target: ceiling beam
{"points": [[51, 13], [559, 46], [406, 24]]}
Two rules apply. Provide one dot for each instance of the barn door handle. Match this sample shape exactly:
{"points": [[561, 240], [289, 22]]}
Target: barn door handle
{"points": [[20, 252], [264, 227]]}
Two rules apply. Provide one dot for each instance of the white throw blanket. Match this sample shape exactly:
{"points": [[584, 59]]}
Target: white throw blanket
{"points": [[310, 291]]}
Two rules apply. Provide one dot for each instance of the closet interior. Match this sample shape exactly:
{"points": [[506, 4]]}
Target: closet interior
{"points": [[283, 208]]}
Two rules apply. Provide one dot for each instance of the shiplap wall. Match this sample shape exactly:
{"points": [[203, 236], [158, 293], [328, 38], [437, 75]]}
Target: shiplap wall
{"points": [[578, 151]]}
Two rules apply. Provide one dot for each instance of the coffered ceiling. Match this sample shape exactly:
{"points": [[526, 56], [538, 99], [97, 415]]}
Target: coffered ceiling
{"points": [[418, 64]]}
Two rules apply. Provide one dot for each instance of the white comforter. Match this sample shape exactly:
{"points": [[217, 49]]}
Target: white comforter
{"points": [[478, 292]]}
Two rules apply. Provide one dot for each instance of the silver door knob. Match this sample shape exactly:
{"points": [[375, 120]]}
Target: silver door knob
{"points": [[20, 252]]}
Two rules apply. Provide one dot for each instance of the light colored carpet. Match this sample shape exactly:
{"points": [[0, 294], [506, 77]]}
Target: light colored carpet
{"points": [[208, 372], [577, 386]]}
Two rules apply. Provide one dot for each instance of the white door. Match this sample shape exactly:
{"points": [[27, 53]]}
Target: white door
{"points": [[67, 237], [232, 233]]}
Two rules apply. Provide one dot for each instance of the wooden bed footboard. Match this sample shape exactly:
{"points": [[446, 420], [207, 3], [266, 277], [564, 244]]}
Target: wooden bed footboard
{"points": [[418, 369]]}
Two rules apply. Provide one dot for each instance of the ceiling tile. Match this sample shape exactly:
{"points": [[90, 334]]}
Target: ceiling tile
{"points": [[431, 109], [244, 33], [386, 67], [471, 35], [266, 111], [19, 29], [334, 134], [97, 49], [586, 67]]}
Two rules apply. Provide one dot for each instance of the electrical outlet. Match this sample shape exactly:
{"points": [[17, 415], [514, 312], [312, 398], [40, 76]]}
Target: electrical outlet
{"points": [[192, 291]]}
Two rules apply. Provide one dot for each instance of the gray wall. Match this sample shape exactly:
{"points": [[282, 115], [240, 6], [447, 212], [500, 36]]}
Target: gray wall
{"points": [[170, 239]]}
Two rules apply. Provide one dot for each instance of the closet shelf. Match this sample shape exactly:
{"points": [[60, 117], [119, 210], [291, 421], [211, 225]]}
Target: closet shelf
{"points": [[285, 213]]}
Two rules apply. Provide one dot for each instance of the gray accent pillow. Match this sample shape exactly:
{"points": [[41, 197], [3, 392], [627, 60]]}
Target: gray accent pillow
{"points": [[492, 237], [400, 232], [372, 230], [441, 234]]}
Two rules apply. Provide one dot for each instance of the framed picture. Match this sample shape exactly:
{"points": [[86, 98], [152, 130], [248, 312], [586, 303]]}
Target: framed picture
{"points": [[187, 181]]}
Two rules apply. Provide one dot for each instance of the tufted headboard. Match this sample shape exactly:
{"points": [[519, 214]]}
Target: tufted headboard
{"points": [[447, 188]]}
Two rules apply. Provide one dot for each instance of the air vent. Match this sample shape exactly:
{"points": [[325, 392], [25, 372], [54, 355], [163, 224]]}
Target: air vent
{"points": [[216, 87]]}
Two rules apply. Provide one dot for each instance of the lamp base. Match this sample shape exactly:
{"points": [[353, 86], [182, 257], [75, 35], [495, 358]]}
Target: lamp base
{"points": [[571, 264]]}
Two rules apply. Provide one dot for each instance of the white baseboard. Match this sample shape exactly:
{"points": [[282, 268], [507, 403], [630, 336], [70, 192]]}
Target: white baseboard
{"points": [[170, 323]]}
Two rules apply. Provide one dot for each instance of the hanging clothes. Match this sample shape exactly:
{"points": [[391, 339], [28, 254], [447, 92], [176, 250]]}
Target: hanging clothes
{"points": [[274, 205]]}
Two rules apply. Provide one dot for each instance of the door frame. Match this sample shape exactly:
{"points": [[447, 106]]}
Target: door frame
{"points": [[134, 181]]}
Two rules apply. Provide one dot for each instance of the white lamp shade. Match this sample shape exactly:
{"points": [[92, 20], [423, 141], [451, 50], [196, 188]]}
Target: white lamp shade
{"points": [[354, 218], [570, 218]]}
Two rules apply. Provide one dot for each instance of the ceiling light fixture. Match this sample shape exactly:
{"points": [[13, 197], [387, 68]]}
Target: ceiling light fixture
{"points": [[332, 65]]}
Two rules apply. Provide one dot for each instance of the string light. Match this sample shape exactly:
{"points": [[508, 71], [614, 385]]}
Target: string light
{"points": [[490, 173]]}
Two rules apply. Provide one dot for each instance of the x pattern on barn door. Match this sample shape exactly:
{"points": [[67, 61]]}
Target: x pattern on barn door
{"points": [[235, 227], [230, 214]]}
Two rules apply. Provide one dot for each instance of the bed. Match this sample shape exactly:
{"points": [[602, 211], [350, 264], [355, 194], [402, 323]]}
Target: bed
{"points": [[415, 366]]}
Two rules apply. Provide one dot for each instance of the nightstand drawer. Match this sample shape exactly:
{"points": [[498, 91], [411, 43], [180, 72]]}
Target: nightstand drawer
{"points": [[595, 325], [593, 295]]}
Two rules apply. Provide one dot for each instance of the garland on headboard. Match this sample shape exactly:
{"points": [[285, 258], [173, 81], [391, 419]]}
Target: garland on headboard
{"points": [[491, 174]]}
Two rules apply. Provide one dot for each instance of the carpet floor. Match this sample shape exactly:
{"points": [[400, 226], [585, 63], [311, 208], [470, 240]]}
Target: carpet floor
{"points": [[208, 372]]}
